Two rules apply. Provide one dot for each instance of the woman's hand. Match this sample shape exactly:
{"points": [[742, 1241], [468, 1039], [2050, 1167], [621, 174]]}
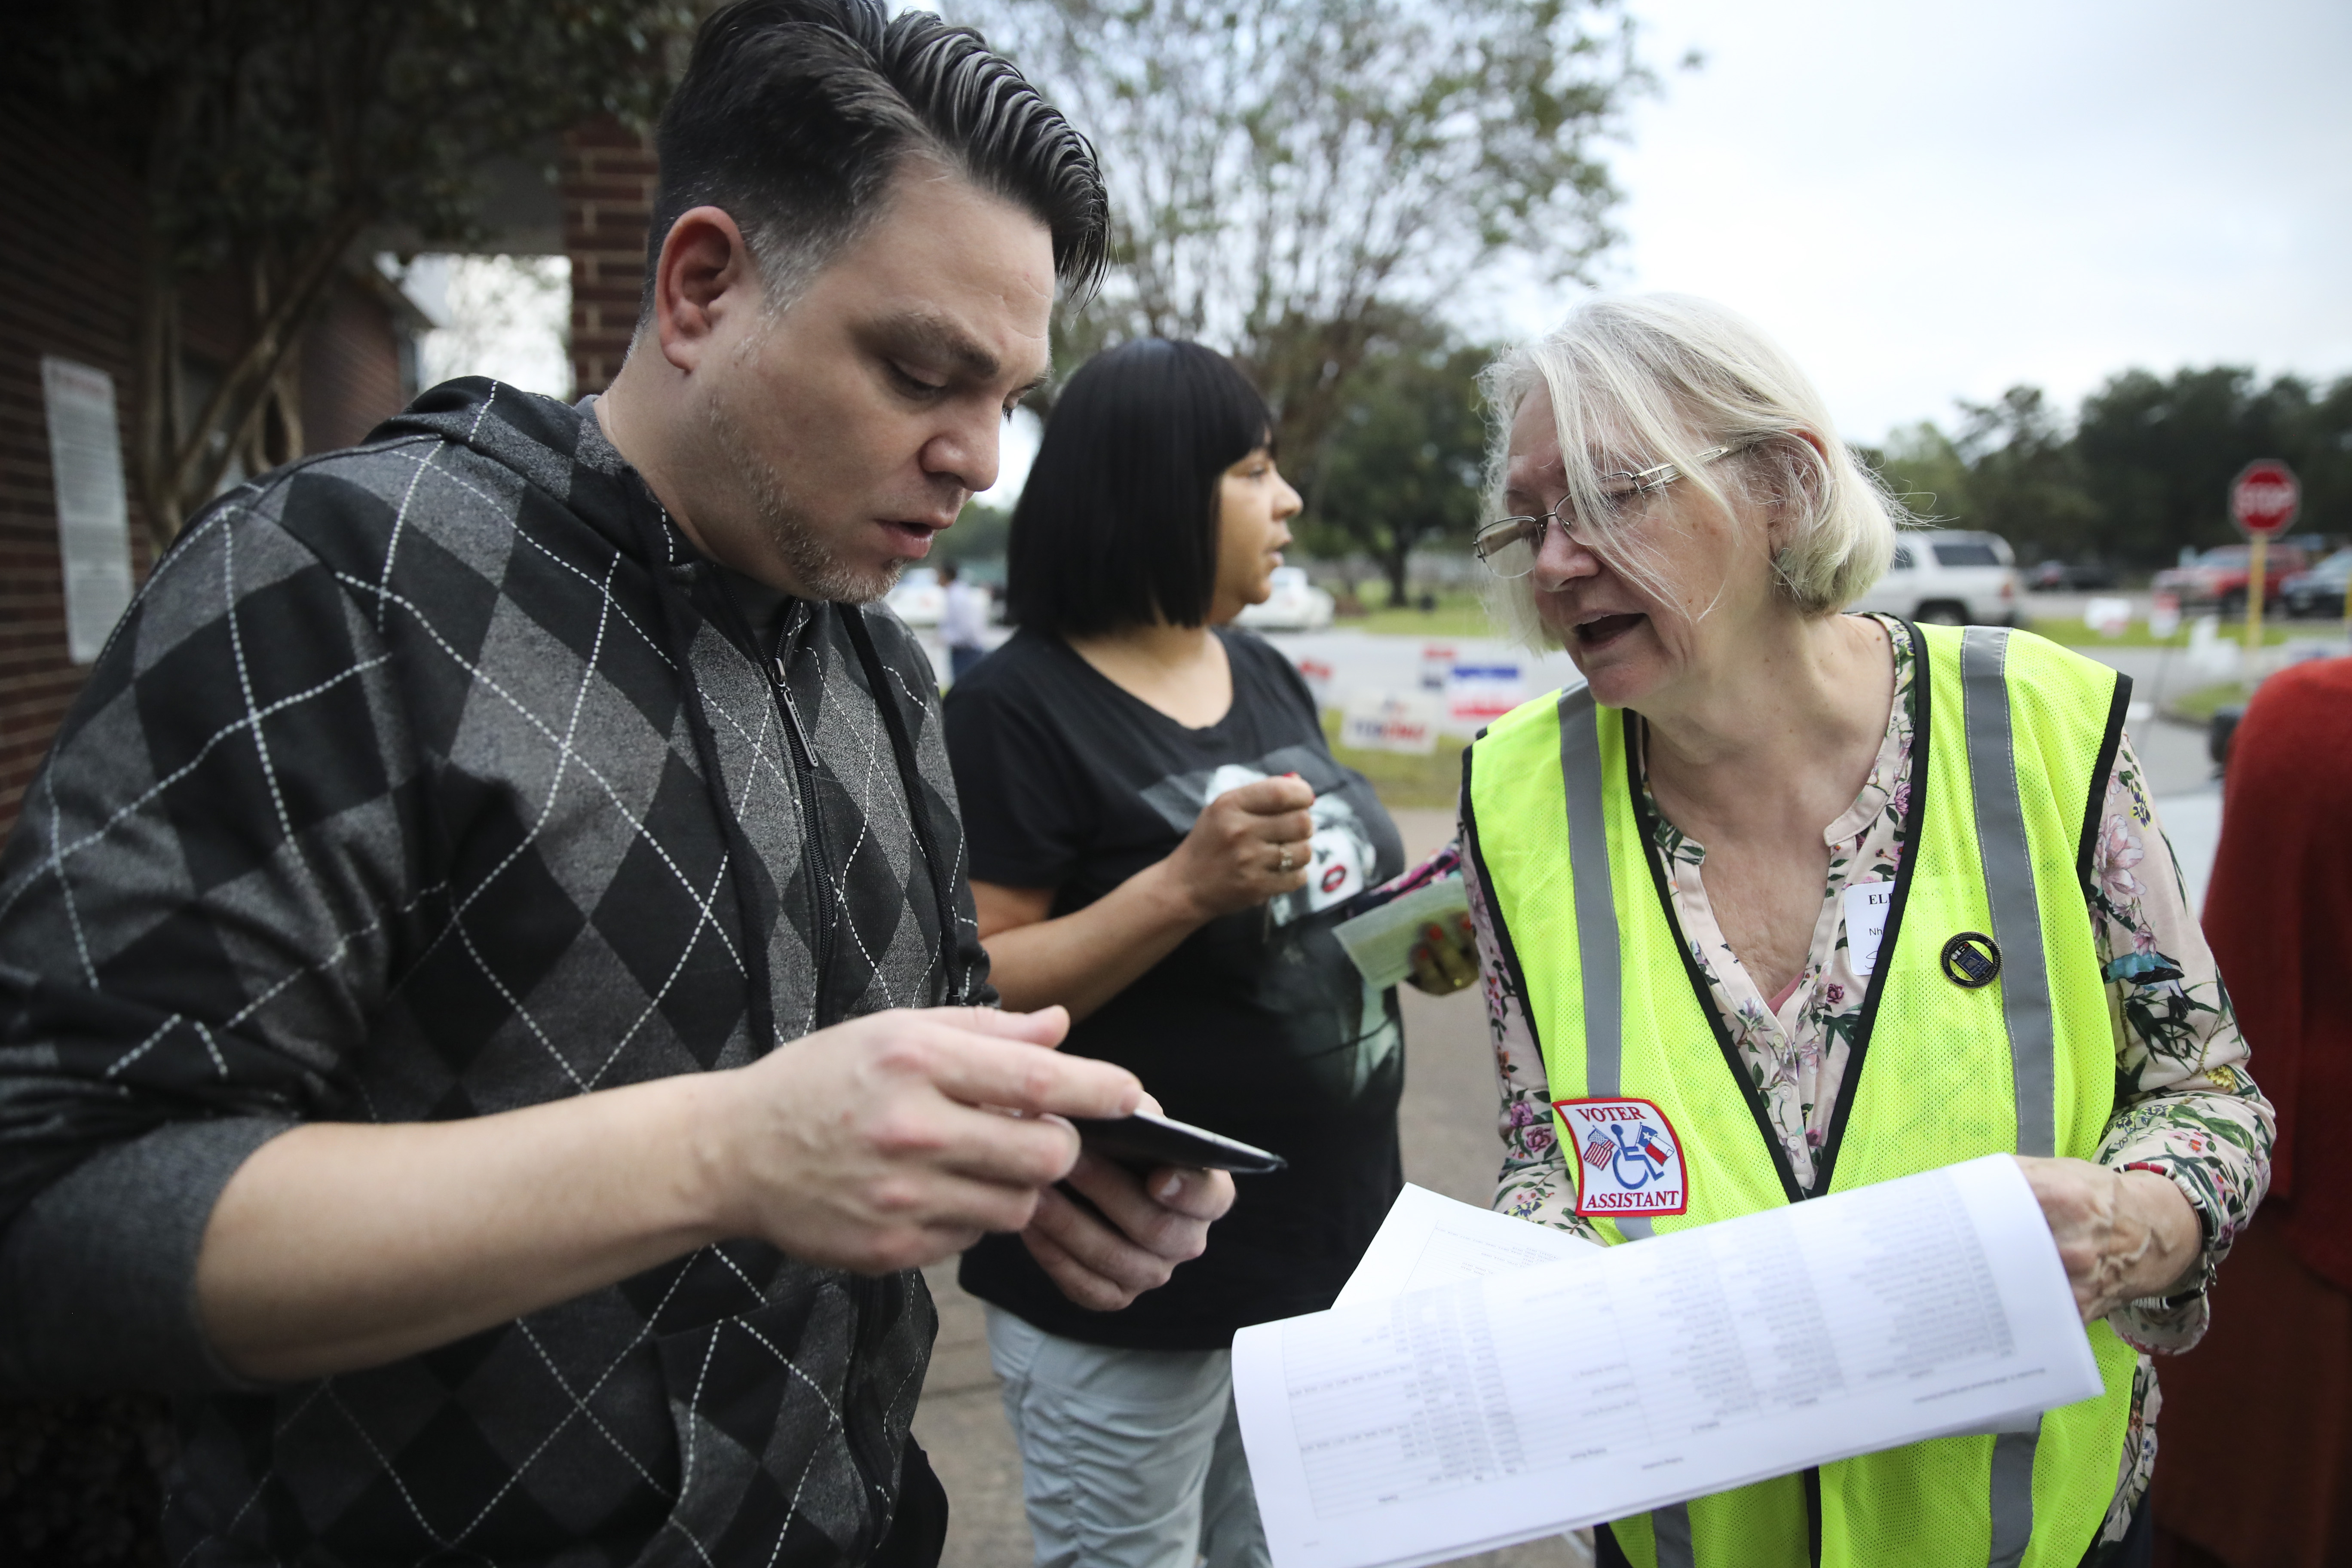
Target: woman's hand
{"points": [[1445, 962], [1247, 845], [1130, 1234], [1125, 1231], [2122, 1235]]}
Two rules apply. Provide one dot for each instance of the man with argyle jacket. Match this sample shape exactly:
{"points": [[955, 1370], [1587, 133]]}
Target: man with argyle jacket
{"points": [[491, 1012]]}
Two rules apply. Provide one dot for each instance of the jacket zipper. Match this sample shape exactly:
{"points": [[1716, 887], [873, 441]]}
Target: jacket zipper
{"points": [[867, 1296], [813, 822], [812, 848]]}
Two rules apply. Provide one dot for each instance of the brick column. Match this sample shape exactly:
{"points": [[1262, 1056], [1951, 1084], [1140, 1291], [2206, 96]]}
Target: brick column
{"points": [[608, 201]]}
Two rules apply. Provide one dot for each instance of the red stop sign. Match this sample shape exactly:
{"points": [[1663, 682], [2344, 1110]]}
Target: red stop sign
{"points": [[2264, 497]]}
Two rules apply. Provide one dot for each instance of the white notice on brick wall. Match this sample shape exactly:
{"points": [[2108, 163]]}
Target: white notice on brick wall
{"points": [[93, 513]]}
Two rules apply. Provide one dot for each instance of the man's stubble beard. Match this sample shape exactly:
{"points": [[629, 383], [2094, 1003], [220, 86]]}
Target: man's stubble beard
{"points": [[820, 573]]}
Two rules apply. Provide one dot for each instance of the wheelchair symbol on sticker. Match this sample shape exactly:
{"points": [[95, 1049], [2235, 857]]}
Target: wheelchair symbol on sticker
{"points": [[1637, 1157]]}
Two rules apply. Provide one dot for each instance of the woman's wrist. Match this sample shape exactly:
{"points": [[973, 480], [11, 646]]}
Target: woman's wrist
{"points": [[2124, 1235], [2162, 1237], [1169, 890]]}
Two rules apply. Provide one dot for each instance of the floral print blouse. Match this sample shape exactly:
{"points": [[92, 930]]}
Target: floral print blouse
{"points": [[2184, 1107]]}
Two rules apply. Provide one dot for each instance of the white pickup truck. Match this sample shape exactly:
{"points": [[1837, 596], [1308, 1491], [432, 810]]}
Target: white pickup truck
{"points": [[1948, 576]]}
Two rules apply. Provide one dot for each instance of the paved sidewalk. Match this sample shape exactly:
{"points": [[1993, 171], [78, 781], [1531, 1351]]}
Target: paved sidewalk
{"points": [[1448, 1122]]}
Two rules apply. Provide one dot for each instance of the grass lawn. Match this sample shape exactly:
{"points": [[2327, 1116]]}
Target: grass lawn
{"points": [[2198, 706], [2275, 632], [1458, 615], [1401, 780]]}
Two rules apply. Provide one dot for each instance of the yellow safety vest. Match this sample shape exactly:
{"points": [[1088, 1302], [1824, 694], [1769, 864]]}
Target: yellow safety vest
{"points": [[1986, 1028]]}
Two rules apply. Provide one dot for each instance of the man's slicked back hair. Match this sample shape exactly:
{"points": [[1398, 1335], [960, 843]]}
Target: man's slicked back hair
{"points": [[794, 115], [1119, 520]]}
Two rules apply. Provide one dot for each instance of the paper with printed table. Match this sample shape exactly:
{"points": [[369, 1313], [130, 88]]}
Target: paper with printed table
{"points": [[1470, 1394]]}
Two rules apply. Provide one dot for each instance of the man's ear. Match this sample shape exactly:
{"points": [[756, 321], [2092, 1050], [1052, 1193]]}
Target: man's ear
{"points": [[705, 280]]}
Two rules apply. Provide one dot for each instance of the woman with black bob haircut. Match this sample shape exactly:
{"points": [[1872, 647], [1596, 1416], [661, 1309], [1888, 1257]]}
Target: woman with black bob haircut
{"points": [[1160, 842], [1117, 525]]}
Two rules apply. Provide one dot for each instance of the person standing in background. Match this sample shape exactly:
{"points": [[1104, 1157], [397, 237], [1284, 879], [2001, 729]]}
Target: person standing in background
{"points": [[2256, 1466], [963, 621], [1162, 842]]}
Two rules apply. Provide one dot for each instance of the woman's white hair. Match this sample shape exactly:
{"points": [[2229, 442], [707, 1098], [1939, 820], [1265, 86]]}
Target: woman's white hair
{"points": [[1660, 378]]}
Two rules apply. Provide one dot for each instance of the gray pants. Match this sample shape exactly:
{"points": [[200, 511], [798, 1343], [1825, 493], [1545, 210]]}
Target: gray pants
{"points": [[1128, 1458]]}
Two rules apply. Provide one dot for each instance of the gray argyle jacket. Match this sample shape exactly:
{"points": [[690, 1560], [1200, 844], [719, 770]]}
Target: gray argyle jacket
{"points": [[430, 779]]}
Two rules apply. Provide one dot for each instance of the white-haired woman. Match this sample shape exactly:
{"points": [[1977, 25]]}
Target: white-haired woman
{"points": [[1826, 898]]}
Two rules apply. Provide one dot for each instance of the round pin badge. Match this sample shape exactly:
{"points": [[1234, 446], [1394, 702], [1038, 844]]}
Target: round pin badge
{"points": [[1971, 958]]}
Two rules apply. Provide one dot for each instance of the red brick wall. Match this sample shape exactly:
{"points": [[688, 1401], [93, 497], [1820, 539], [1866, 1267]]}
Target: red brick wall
{"points": [[68, 286], [350, 368], [608, 202]]}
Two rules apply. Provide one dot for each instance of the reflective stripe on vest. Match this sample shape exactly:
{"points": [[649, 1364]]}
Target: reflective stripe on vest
{"points": [[2008, 884], [1596, 916], [2073, 715], [2024, 999]]}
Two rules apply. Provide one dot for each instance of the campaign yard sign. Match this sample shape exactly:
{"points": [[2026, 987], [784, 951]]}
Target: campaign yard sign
{"points": [[1408, 723], [1478, 694]]}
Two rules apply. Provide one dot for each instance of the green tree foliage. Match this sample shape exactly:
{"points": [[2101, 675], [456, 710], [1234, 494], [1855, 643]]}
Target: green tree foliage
{"points": [[2024, 478], [2158, 454], [1925, 471], [1400, 461], [1289, 175], [270, 137], [2142, 470], [981, 534]]}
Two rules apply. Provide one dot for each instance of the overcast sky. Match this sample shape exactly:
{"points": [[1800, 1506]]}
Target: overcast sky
{"points": [[1929, 201], [1925, 202]]}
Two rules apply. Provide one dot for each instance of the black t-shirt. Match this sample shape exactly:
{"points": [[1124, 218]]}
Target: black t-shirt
{"points": [[1257, 1025]]}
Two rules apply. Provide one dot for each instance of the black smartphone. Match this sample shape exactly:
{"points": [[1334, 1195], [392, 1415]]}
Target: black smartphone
{"points": [[1145, 1140]]}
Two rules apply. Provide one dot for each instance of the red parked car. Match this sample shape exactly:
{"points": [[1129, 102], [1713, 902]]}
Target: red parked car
{"points": [[2218, 576]]}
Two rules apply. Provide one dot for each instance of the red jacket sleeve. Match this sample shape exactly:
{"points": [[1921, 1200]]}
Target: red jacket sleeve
{"points": [[2278, 913]]}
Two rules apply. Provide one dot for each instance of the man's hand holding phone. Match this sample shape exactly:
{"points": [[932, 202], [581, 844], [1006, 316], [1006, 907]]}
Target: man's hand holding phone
{"points": [[879, 1144], [882, 1145]]}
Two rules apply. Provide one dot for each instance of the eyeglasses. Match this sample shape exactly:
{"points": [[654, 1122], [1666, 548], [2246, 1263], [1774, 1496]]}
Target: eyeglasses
{"points": [[1509, 545]]}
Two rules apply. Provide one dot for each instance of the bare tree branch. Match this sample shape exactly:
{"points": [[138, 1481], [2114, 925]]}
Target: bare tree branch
{"points": [[1288, 174]]}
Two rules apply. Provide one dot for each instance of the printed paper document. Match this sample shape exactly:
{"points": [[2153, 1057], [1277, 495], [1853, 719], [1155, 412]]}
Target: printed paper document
{"points": [[1507, 1405], [1430, 1240]]}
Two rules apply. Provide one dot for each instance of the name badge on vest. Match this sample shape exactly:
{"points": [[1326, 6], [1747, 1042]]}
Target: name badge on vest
{"points": [[1626, 1157]]}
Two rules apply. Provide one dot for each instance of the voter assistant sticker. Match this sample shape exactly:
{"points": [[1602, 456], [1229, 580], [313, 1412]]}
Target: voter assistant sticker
{"points": [[1627, 1159]]}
